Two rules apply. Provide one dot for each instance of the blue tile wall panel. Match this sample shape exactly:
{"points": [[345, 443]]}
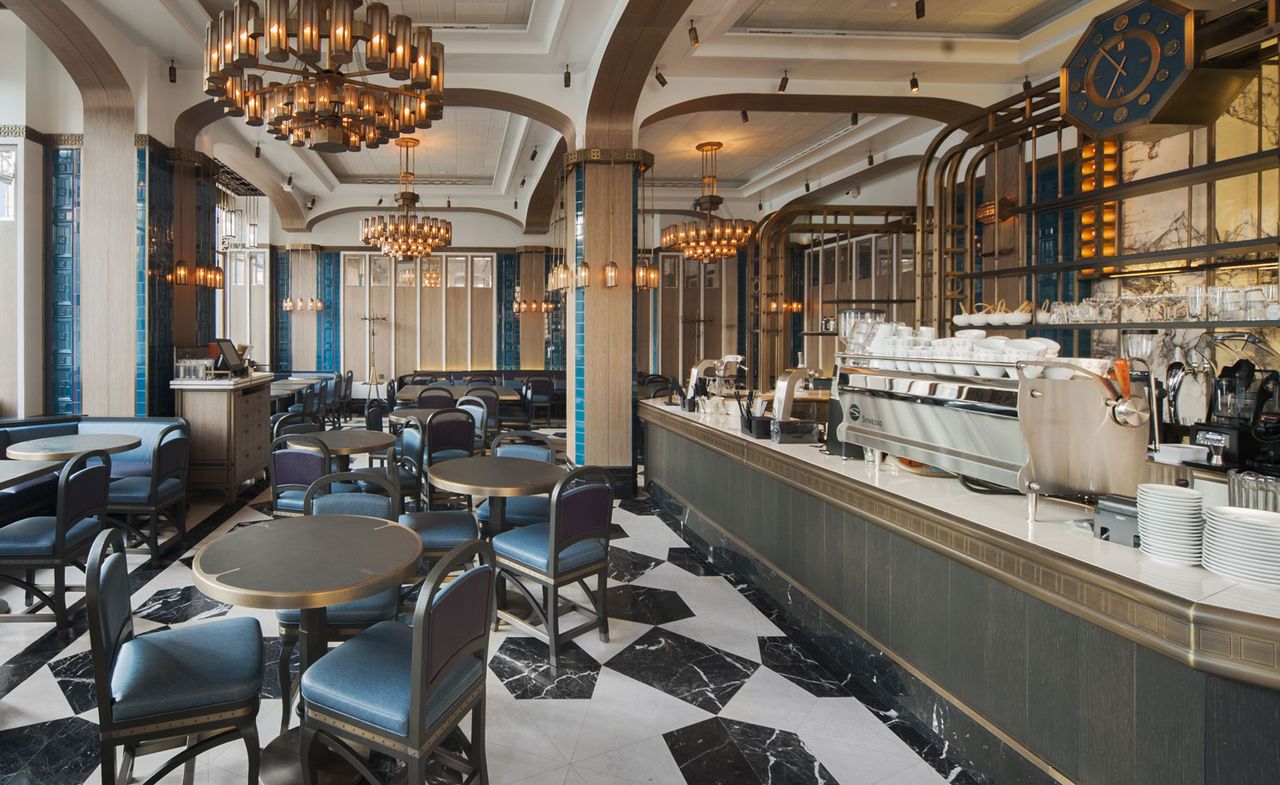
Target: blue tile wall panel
{"points": [[155, 283], [508, 322], [62, 281], [579, 324], [206, 244], [282, 338], [328, 274]]}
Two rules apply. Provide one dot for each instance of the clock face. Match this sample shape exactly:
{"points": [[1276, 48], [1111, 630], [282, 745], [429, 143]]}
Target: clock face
{"points": [[1124, 67]]}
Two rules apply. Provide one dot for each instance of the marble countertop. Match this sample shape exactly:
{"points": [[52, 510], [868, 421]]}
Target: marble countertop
{"points": [[1056, 531], [225, 383]]}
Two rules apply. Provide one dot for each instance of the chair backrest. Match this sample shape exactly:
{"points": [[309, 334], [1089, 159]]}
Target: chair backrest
{"points": [[320, 401], [422, 378], [449, 429], [664, 391], [450, 623], [655, 378], [321, 500], [540, 385], [374, 412], [412, 444], [335, 389], [296, 423], [581, 509], [348, 385], [481, 378], [391, 395], [435, 398], [478, 411], [82, 492], [296, 462], [308, 394], [171, 456], [490, 397], [110, 615], [530, 445]]}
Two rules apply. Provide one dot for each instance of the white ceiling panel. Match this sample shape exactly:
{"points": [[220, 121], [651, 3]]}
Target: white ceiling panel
{"points": [[464, 146], [980, 17]]}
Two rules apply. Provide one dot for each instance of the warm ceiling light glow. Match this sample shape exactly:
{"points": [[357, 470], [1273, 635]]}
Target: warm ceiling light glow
{"points": [[405, 234], [709, 238], [611, 274], [693, 34]]}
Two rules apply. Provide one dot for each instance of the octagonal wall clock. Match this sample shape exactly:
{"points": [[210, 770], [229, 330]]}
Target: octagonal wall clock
{"points": [[1135, 73]]}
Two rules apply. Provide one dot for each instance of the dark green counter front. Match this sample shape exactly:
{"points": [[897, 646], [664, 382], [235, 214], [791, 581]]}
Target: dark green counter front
{"points": [[973, 638]]}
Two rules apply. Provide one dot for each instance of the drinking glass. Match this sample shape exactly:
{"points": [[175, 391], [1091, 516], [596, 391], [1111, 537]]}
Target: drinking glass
{"points": [[1196, 298], [1232, 308], [1255, 304]]}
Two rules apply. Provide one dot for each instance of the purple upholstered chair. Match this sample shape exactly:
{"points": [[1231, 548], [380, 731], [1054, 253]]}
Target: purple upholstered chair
{"points": [[569, 548], [402, 689], [296, 462], [449, 434]]}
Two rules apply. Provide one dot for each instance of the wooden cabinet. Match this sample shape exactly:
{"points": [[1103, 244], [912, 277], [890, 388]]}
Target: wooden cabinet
{"points": [[230, 430]]}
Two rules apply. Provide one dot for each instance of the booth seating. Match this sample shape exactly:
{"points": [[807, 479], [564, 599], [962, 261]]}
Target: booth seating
{"points": [[36, 497]]}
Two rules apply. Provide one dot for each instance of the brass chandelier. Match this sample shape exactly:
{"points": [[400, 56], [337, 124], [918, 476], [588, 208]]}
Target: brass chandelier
{"points": [[319, 105], [711, 237], [404, 234]]}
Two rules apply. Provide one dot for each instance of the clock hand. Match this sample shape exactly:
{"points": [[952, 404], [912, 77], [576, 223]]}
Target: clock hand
{"points": [[1119, 72], [1120, 65]]}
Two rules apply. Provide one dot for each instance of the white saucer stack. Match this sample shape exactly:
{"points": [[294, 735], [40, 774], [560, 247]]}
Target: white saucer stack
{"points": [[1243, 543], [1171, 522]]}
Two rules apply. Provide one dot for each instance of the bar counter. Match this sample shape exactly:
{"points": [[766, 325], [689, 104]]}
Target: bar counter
{"points": [[230, 429], [1039, 652]]}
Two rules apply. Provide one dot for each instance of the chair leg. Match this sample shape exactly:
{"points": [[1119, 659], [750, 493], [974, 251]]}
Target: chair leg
{"points": [[60, 597], [250, 733], [108, 768], [31, 579], [189, 768], [478, 758], [310, 755], [553, 627], [602, 604], [286, 680], [500, 596], [153, 535], [179, 515], [415, 770]]}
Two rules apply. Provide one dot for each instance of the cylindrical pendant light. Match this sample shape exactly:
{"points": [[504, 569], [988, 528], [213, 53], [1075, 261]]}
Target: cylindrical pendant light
{"points": [[436, 91], [582, 276], [309, 22], [252, 100], [246, 42], [611, 274], [420, 69], [398, 62], [277, 31], [375, 49], [227, 44], [341, 17], [214, 81]]}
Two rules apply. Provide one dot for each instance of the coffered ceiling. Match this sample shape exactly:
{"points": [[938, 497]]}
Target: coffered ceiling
{"points": [[505, 13], [463, 148]]}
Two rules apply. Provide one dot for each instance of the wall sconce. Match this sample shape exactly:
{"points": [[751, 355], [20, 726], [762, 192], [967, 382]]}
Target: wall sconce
{"points": [[611, 275], [181, 274]]}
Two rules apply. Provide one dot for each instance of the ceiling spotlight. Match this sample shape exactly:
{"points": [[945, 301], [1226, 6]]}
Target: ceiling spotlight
{"points": [[568, 78], [515, 203], [853, 119], [1026, 84], [760, 206], [288, 183], [782, 85], [534, 155], [448, 202], [693, 34], [919, 9], [522, 181], [871, 158], [915, 83], [379, 201], [257, 151], [745, 117], [806, 186], [311, 204], [173, 72], [662, 80]]}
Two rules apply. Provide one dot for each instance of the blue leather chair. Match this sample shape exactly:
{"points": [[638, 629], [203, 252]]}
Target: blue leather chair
{"points": [[57, 541], [403, 690], [448, 434], [538, 394], [198, 679], [162, 493], [480, 415], [521, 510], [296, 462], [296, 422], [408, 456], [569, 548], [493, 406], [434, 398], [337, 494]]}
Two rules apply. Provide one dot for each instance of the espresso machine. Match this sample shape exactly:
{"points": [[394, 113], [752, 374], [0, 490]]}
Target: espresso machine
{"points": [[1242, 427]]}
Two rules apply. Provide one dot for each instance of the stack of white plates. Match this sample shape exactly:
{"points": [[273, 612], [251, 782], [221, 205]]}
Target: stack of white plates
{"points": [[1171, 522], [1243, 543]]}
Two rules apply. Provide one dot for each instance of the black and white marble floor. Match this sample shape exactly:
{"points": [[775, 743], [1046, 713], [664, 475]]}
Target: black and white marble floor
{"points": [[696, 685]]}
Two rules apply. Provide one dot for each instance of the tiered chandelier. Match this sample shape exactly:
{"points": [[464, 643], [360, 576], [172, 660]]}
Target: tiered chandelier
{"points": [[405, 234], [319, 106], [711, 237]]}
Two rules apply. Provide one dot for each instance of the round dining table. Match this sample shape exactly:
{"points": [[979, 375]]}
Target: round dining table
{"points": [[343, 444], [399, 416], [308, 563], [496, 478], [64, 448]]}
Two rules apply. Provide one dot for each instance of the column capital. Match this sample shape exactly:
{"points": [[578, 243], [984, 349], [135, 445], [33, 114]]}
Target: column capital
{"points": [[641, 159]]}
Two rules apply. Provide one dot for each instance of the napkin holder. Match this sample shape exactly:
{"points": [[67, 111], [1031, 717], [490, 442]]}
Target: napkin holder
{"points": [[794, 431]]}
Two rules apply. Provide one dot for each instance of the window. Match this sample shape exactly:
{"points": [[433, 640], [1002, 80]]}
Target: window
{"points": [[406, 274], [482, 272], [379, 271], [258, 263], [456, 272], [8, 190], [355, 269]]}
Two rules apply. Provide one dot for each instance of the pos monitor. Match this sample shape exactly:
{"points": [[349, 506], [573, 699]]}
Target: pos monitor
{"points": [[228, 358]]}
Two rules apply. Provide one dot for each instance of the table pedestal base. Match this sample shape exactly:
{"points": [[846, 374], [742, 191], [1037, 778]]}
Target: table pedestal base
{"points": [[282, 763]]}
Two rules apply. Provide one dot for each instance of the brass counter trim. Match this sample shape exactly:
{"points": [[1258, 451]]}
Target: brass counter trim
{"points": [[1234, 644]]}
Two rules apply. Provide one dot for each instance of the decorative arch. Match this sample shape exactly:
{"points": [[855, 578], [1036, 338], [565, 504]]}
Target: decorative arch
{"points": [[292, 218], [537, 219], [311, 224], [943, 110]]}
